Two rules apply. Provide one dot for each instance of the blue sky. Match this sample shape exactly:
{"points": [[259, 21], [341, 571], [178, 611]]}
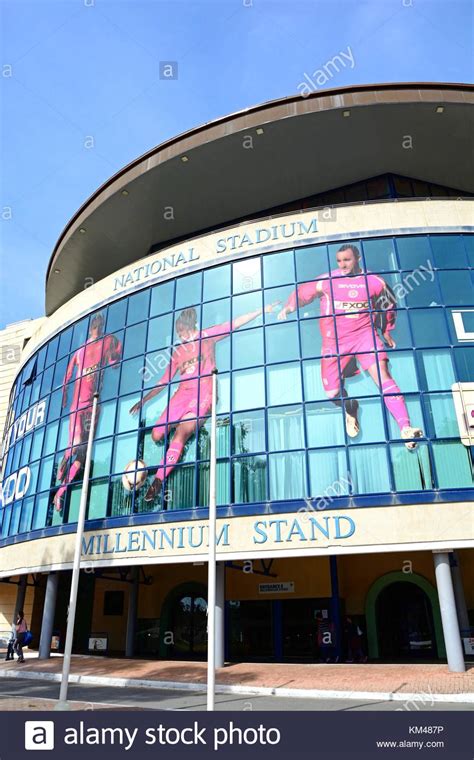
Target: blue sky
{"points": [[73, 70]]}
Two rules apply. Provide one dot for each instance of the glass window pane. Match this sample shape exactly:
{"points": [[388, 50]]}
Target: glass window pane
{"points": [[188, 290], [132, 375], [436, 369], [278, 269], [106, 419], [420, 289], [324, 424], [97, 499], [369, 469], [464, 358], [79, 335], [284, 384], [38, 436], [109, 382], [249, 476], [248, 432], [41, 511], [222, 436], [116, 316], [59, 372], [223, 393], [457, 288], [287, 476], [135, 338], [222, 485], [138, 306], [181, 488], [246, 275], [125, 420], [101, 457], [328, 475], [245, 304], [26, 515], [125, 451], [282, 342], [47, 381], [429, 327], [380, 255], [411, 473], [217, 282], [469, 245], [51, 352], [401, 332], [313, 384], [248, 389], [46, 474], [414, 412], [162, 297], [285, 428], [276, 298], [441, 415], [216, 313], [64, 343], [50, 438], [311, 338], [448, 251], [333, 250], [247, 348], [311, 262], [402, 368], [371, 422], [413, 252], [453, 465], [160, 332]]}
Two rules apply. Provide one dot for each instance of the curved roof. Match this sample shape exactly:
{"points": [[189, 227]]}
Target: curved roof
{"points": [[232, 169]]}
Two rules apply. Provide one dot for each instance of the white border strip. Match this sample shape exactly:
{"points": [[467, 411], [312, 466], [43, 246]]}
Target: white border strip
{"points": [[261, 691]]}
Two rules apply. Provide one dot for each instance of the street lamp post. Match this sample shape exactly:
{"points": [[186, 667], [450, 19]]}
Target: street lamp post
{"points": [[211, 583], [63, 703]]}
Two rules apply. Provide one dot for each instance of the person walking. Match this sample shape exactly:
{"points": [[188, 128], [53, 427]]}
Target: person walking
{"points": [[21, 627]]}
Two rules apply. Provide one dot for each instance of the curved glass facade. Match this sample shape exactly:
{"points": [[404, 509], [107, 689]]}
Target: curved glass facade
{"points": [[335, 382]]}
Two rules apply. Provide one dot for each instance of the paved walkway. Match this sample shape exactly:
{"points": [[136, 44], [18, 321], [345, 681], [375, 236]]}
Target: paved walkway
{"points": [[347, 678]]}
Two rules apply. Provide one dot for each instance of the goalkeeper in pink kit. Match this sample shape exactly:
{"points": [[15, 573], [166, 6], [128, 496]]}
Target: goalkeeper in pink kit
{"points": [[87, 362], [194, 356], [347, 295]]}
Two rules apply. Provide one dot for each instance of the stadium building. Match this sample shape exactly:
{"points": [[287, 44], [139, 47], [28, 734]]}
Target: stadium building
{"points": [[318, 252]]}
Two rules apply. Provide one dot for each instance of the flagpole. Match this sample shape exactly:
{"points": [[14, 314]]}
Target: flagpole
{"points": [[211, 582], [63, 703]]}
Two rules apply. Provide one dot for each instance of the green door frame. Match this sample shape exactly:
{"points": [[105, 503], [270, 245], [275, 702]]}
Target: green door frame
{"points": [[401, 577], [184, 589]]}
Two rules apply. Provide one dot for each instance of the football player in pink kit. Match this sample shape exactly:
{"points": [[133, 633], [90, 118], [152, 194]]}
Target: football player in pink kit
{"points": [[86, 362], [194, 356], [349, 294]]}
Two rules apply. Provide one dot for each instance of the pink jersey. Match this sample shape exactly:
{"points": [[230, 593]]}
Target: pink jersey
{"points": [[200, 350], [349, 298], [87, 360]]}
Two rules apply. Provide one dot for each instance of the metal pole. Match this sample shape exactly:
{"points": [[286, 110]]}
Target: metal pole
{"points": [[63, 704], [449, 617], [211, 579]]}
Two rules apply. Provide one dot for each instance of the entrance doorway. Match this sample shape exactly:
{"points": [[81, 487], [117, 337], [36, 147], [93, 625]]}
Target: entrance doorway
{"points": [[403, 619], [189, 627], [405, 623], [183, 624]]}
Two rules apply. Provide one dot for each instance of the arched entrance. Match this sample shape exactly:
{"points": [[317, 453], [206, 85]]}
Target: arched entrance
{"points": [[403, 619], [183, 624]]}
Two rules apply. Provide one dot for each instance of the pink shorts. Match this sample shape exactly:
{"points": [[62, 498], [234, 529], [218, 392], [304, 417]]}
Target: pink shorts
{"points": [[184, 402], [360, 347]]}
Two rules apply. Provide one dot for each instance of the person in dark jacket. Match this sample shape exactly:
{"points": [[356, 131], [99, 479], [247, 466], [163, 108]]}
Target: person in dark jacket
{"points": [[21, 629]]}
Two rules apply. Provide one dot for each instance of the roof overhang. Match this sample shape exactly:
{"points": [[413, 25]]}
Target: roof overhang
{"points": [[308, 145]]}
